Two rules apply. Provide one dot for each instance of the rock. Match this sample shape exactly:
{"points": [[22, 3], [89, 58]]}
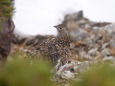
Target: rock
{"points": [[105, 45], [112, 42], [88, 57], [105, 52], [93, 51], [65, 71], [112, 51], [79, 34], [73, 17], [6, 35], [67, 75], [110, 58], [82, 54], [88, 41]]}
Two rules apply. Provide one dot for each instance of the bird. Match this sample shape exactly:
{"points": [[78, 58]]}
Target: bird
{"points": [[54, 48]]}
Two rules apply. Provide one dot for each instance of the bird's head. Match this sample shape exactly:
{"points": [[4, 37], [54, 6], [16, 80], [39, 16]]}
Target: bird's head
{"points": [[62, 29]]}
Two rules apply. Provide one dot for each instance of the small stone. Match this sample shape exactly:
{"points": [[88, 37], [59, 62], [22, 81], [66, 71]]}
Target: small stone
{"points": [[112, 42], [105, 45], [105, 52], [110, 58], [67, 75], [88, 57], [112, 51], [93, 51]]}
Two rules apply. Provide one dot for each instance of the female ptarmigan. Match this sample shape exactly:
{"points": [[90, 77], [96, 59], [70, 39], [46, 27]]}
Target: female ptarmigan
{"points": [[54, 48]]}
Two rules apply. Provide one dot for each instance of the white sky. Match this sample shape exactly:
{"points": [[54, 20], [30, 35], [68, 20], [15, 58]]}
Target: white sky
{"points": [[39, 16]]}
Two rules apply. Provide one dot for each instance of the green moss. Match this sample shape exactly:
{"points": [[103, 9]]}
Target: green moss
{"points": [[23, 72], [6, 8], [103, 75], [6, 11]]}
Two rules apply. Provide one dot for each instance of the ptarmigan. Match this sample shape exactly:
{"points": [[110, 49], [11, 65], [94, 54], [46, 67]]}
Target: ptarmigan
{"points": [[54, 48]]}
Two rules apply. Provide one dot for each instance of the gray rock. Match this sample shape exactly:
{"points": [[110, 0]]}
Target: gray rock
{"points": [[110, 58], [74, 17], [105, 45], [105, 52], [112, 42], [93, 51]]}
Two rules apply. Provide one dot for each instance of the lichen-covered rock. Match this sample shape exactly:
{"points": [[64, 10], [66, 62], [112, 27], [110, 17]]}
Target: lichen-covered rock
{"points": [[6, 40]]}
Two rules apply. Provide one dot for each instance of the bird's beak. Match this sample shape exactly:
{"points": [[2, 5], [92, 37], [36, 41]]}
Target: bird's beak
{"points": [[55, 26]]}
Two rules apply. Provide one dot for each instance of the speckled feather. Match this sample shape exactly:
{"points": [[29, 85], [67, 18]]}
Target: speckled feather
{"points": [[54, 48]]}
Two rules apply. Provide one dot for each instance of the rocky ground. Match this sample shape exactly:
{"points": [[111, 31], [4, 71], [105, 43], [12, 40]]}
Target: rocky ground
{"points": [[92, 42]]}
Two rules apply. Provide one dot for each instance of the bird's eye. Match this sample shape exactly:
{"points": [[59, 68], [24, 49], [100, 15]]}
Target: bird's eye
{"points": [[60, 27]]}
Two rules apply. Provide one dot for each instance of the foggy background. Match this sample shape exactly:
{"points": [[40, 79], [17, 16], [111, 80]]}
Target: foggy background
{"points": [[39, 16]]}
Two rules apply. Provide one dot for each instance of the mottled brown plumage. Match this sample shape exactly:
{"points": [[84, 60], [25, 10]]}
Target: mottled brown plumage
{"points": [[54, 48]]}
